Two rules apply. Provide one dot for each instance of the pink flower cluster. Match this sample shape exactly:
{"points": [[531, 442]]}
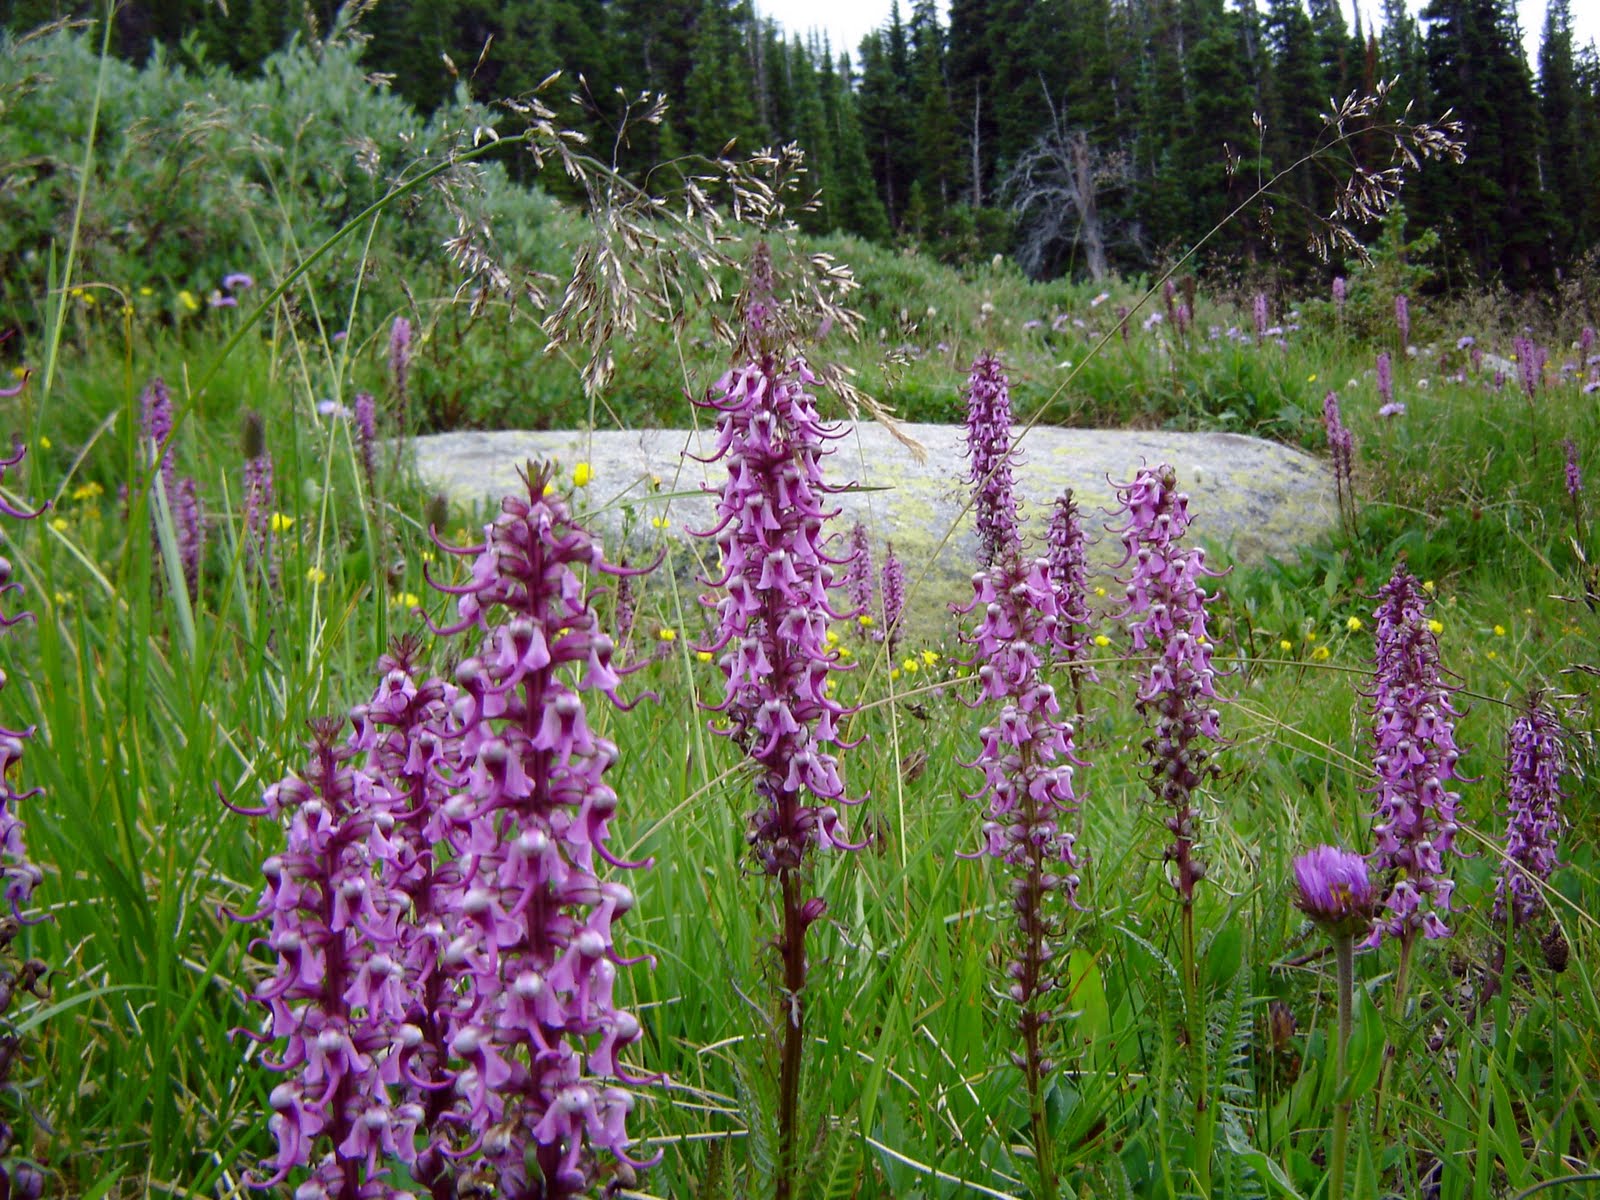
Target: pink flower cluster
{"points": [[772, 605], [20, 876], [1341, 448], [893, 595], [1415, 757], [858, 583], [1535, 760], [446, 966], [1166, 618], [990, 457], [1068, 569]]}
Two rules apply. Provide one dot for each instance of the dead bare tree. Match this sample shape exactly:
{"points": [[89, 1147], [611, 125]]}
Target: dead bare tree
{"points": [[1054, 191]]}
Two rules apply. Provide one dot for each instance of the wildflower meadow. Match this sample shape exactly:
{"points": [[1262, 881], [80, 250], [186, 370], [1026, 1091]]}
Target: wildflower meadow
{"points": [[361, 843]]}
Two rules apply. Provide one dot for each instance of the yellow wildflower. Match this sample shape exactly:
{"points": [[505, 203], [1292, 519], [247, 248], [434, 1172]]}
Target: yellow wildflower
{"points": [[1353, 624], [44, 442], [280, 523], [1499, 631], [1492, 654], [865, 621], [1099, 591], [582, 474], [147, 291], [316, 575], [833, 638], [668, 635], [1101, 640], [189, 300], [909, 666], [846, 652], [87, 491], [1311, 635], [404, 600], [1285, 645], [703, 655], [1320, 654], [658, 522], [1436, 626], [929, 657], [63, 598], [60, 525], [894, 673], [1428, 586], [1311, 378]]}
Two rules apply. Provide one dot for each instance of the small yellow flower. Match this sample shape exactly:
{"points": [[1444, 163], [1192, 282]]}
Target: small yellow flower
{"points": [[76, 293], [1285, 645], [846, 652], [1436, 626], [1099, 591], [427, 556], [1311, 635], [1499, 631], [1492, 654], [146, 291], [1311, 378], [88, 299], [87, 491], [60, 525], [316, 575], [1353, 624], [668, 635], [19, 372], [865, 621], [582, 474], [189, 300], [63, 598], [404, 600], [280, 523], [1428, 586], [929, 657], [127, 310], [1320, 654], [894, 673], [703, 655], [1101, 640], [44, 442], [833, 638], [658, 522], [1527, 612], [909, 666]]}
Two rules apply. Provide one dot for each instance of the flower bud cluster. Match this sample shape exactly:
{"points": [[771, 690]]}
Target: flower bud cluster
{"points": [[1415, 755], [446, 958], [772, 605], [1535, 760], [1166, 619], [1027, 760], [989, 450], [1068, 568]]}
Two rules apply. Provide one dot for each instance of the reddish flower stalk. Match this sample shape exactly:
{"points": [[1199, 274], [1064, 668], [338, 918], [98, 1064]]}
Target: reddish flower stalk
{"points": [[1069, 580]]}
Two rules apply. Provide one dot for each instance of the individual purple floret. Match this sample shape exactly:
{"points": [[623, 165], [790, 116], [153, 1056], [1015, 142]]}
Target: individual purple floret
{"points": [[1402, 319], [1386, 379], [531, 955], [1027, 760], [1341, 448], [1166, 619], [894, 597], [238, 281], [1415, 756], [1068, 564], [1535, 761], [365, 427], [988, 440], [1333, 889], [858, 576]]}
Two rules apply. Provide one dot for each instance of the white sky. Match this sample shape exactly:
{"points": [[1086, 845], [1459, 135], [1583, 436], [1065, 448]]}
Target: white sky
{"points": [[846, 22]]}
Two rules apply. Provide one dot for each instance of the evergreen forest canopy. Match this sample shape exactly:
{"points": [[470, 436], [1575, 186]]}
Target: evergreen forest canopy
{"points": [[1083, 136]]}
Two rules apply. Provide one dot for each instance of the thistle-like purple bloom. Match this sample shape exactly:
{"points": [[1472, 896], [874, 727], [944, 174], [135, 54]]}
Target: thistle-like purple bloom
{"points": [[858, 583], [1166, 619], [1068, 568], [1386, 379], [893, 595], [1402, 319], [1027, 760], [1535, 761], [1333, 889], [989, 469], [1415, 758]]}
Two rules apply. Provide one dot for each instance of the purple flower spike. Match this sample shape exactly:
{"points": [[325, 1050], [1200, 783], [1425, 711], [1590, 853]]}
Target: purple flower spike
{"points": [[1386, 379], [858, 577], [1402, 319], [366, 435], [1166, 619], [1415, 757], [1069, 579], [20, 876], [989, 450], [1259, 311], [1339, 289], [1332, 888], [894, 596], [155, 429], [1535, 761], [1574, 475], [1531, 358], [1341, 447], [774, 605], [400, 357], [1027, 760]]}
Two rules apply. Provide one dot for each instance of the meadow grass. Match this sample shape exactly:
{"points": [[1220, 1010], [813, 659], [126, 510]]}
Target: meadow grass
{"points": [[149, 703]]}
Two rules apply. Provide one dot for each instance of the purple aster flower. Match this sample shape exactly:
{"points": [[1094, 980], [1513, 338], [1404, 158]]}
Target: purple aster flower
{"points": [[1402, 318], [858, 576], [894, 596], [1332, 888], [1386, 379], [1259, 311], [1339, 288], [366, 435], [1166, 620], [1415, 758], [990, 460], [1068, 568], [1535, 761], [1466, 342], [238, 281]]}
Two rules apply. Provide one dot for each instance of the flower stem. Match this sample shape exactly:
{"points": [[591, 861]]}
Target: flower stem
{"points": [[793, 949], [1392, 1051], [1344, 957]]}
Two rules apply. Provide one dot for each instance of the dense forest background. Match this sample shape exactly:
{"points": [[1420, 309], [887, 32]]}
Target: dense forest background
{"points": [[1083, 136]]}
